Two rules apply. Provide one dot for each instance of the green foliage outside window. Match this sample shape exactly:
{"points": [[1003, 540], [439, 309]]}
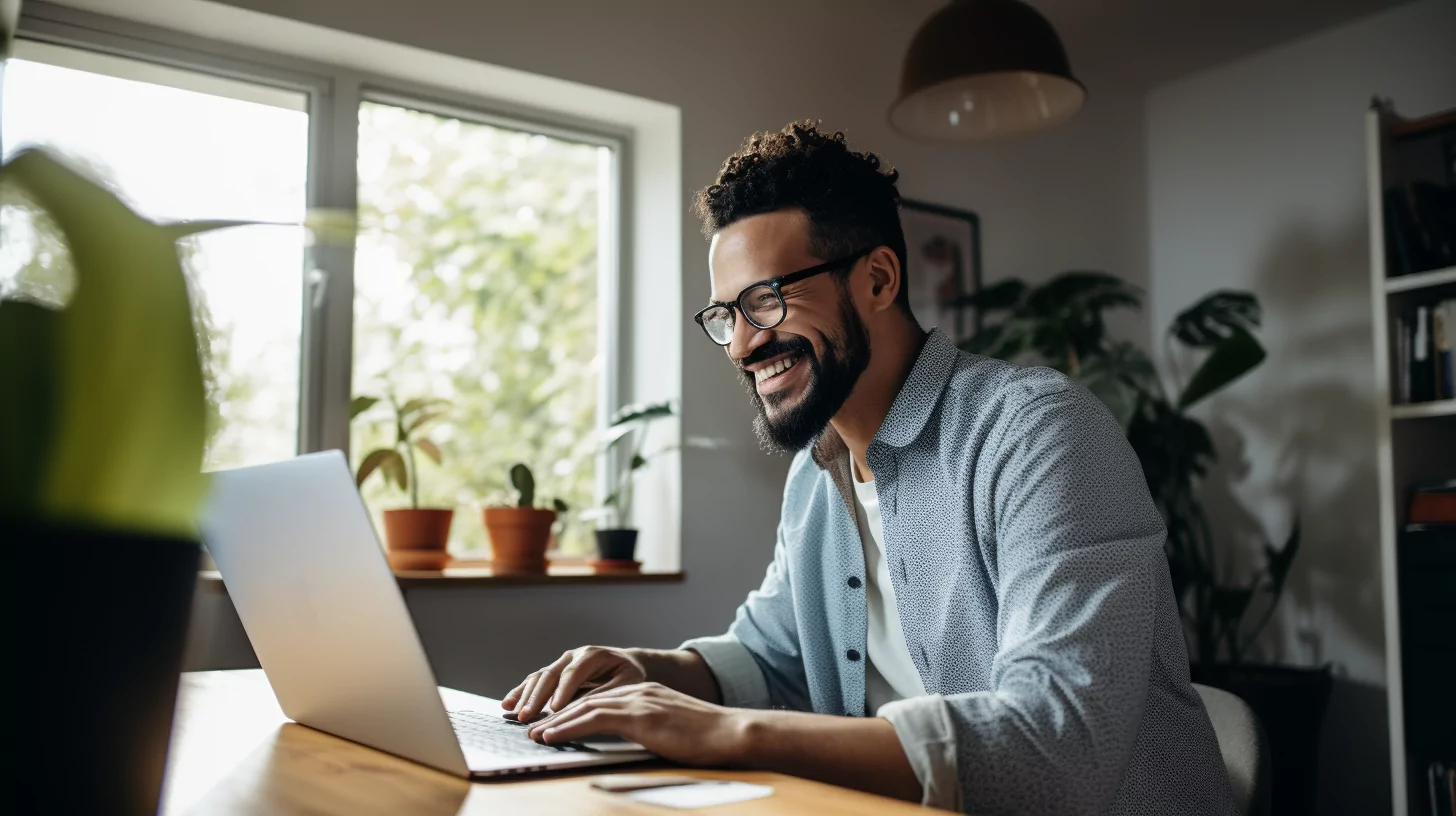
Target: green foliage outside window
{"points": [[476, 281]]}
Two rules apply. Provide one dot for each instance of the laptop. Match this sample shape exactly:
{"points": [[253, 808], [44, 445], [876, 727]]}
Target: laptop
{"points": [[301, 561]]}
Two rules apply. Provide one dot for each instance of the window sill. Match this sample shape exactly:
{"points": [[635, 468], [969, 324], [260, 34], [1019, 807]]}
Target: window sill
{"points": [[481, 575]]}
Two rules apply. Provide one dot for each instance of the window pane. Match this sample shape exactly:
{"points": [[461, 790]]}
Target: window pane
{"points": [[180, 145], [476, 281]]}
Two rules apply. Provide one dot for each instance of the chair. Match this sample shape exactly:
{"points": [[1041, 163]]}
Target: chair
{"points": [[1244, 748]]}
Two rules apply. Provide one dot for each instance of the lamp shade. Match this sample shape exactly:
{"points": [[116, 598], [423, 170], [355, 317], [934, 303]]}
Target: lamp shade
{"points": [[979, 70]]}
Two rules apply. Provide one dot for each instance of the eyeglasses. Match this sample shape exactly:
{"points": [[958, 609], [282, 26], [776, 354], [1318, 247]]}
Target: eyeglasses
{"points": [[762, 303]]}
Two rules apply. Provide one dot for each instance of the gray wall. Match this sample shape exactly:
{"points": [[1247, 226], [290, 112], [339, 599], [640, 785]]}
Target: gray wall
{"points": [[1070, 198], [1256, 176]]}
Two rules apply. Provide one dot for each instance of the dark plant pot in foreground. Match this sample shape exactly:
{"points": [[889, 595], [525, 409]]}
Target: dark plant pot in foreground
{"points": [[1290, 703], [617, 545], [98, 630]]}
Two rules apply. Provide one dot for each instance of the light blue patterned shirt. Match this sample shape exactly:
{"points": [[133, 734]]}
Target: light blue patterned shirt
{"points": [[1034, 597]]}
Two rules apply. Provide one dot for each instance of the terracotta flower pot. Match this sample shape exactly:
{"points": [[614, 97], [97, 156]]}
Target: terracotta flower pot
{"points": [[417, 538], [518, 537]]}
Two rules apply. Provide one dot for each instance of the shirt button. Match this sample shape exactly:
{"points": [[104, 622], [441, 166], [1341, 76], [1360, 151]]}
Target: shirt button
{"points": [[854, 582], [852, 654]]}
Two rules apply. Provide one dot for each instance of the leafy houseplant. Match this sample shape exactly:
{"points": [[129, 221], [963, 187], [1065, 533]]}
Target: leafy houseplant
{"points": [[520, 535], [102, 434], [624, 440], [417, 536], [1061, 324]]}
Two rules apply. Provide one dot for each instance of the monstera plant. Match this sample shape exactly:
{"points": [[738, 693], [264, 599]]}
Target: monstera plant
{"points": [[1062, 324]]}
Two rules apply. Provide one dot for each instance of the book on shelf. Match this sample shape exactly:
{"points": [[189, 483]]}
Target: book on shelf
{"points": [[1441, 788], [1443, 341], [1425, 350], [1433, 503]]}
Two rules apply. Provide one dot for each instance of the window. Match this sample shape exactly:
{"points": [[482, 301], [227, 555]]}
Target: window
{"points": [[180, 145], [476, 281], [484, 273]]}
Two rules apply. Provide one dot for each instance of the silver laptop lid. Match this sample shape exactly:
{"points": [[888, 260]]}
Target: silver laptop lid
{"points": [[304, 568]]}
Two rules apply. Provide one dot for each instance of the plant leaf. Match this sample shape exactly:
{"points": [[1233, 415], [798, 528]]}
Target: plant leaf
{"points": [[360, 404], [525, 483], [178, 230], [560, 506], [1231, 359], [1216, 317], [394, 469], [371, 463], [420, 421], [29, 404], [999, 296], [1119, 377], [638, 462], [430, 449], [1280, 561], [130, 419], [640, 412], [416, 404]]}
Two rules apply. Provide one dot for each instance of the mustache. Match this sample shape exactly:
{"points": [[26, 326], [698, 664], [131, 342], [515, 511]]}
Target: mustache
{"points": [[774, 348]]}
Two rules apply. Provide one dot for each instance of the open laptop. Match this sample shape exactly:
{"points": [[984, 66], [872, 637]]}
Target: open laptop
{"points": [[301, 561]]}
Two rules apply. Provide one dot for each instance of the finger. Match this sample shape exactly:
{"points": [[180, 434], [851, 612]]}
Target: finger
{"points": [[575, 675], [574, 709], [540, 691], [509, 701], [587, 723]]}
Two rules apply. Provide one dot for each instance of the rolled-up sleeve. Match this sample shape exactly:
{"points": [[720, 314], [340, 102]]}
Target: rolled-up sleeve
{"points": [[927, 735], [758, 663], [1078, 544]]}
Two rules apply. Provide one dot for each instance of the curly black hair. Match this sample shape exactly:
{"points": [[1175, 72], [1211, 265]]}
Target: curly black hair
{"points": [[851, 203]]}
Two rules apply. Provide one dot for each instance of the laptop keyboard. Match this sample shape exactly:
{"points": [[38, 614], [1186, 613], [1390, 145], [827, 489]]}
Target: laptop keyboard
{"points": [[502, 737]]}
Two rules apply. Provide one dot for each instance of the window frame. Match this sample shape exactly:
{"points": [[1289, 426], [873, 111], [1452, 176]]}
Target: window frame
{"points": [[334, 94]]}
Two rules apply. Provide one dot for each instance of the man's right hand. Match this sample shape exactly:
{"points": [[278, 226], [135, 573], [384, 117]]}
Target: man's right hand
{"points": [[576, 673]]}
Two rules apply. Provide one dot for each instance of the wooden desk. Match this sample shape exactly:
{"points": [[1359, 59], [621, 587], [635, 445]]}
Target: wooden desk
{"points": [[234, 752]]}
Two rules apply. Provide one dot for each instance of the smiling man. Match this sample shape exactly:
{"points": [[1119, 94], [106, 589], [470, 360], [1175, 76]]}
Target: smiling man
{"points": [[968, 604]]}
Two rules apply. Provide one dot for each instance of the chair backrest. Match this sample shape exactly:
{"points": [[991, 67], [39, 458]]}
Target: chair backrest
{"points": [[1244, 748]]}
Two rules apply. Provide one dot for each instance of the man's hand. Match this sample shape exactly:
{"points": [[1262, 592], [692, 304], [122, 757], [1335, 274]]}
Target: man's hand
{"points": [[590, 669], [668, 723]]}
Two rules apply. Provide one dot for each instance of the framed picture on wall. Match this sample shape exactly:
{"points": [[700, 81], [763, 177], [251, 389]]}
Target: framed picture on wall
{"points": [[943, 263]]}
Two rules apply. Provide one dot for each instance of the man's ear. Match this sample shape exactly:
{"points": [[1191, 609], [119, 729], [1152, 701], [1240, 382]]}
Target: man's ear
{"points": [[885, 277]]}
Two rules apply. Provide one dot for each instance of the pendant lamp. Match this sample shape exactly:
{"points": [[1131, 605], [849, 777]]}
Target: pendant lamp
{"points": [[979, 70]]}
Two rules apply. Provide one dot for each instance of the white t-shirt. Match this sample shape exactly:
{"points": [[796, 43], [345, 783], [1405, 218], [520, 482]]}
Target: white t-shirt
{"points": [[889, 673]]}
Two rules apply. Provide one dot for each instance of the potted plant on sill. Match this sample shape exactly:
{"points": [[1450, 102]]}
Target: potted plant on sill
{"points": [[520, 535], [1061, 324], [102, 435], [623, 442], [416, 537]]}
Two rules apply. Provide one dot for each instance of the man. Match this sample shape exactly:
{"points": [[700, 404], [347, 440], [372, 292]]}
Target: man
{"points": [[968, 604]]}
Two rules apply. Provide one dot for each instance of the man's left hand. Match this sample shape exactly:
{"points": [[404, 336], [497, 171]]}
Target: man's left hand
{"points": [[668, 723]]}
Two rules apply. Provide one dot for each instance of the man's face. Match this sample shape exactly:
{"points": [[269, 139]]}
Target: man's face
{"points": [[800, 372]]}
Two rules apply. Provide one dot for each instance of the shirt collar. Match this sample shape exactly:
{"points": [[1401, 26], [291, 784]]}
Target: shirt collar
{"points": [[918, 397]]}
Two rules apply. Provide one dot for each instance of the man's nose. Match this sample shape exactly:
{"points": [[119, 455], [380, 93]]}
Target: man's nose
{"points": [[746, 338]]}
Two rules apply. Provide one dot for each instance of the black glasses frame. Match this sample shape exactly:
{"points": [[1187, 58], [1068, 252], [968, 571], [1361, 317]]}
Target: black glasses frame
{"points": [[777, 285]]}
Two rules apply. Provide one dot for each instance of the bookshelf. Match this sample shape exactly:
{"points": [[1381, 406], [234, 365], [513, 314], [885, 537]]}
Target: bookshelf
{"points": [[1421, 280], [1415, 442], [1420, 410]]}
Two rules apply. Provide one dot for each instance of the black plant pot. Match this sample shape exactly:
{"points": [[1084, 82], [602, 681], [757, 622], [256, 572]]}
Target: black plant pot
{"points": [[98, 633], [1290, 703], [617, 545]]}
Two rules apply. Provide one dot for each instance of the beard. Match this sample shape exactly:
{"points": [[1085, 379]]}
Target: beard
{"points": [[793, 427]]}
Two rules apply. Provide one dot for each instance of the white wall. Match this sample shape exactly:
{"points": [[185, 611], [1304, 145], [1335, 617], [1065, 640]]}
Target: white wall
{"points": [[1071, 198], [1256, 180]]}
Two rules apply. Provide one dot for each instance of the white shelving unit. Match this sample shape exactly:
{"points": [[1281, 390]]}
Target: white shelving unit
{"points": [[1420, 280], [1414, 443]]}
